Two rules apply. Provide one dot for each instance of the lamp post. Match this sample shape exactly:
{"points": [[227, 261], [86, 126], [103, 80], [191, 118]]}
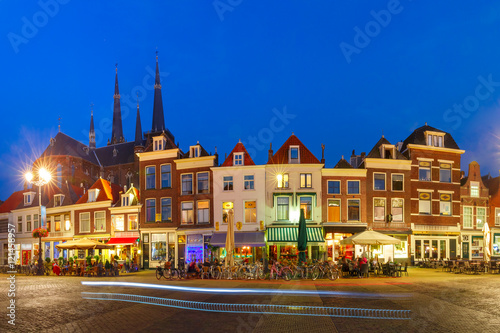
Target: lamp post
{"points": [[44, 177]]}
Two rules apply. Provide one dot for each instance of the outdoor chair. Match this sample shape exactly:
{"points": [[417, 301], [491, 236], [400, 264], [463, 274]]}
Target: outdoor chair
{"points": [[205, 273], [403, 270], [493, 267], [364, 270]]}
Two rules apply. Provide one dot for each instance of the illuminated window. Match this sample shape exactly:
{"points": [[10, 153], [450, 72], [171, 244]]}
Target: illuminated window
{"points": [[84, 222], [57, 223], [150, 177], [424, 203], [100, 221], [67, 223], [480, 217], [93, 194], [166, 210], [306, 180], [333, 210], [133, 224], [306, 205], [467, 217], [379, 209], [282, 208], [203, 212], [497, 216], [187, 214], [250, 211], [228, 183], [474, 189], [397, 210], [119, 222], [227, 209], [283, 180], [445, 204], [424, 171], [353, 209]]}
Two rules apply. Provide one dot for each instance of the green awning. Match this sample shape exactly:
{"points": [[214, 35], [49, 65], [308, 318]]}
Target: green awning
{"points": [[290, 235]]}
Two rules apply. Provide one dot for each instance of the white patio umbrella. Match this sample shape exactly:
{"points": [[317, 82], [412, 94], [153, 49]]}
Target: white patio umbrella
{"points": [[486, 241], [370, 237]]}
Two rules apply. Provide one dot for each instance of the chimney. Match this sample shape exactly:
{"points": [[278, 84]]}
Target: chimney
{"points": [[322, 153], [270, 157], [125, 189], [462, 174]]}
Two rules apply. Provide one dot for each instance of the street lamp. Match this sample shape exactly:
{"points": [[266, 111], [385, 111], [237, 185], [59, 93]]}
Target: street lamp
{"points": [[44, 177]]}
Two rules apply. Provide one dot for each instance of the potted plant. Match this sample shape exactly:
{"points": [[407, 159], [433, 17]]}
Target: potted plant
{"points": [[107, 267], [89, 260], [61, 261], [48, 266], [116, 257]]}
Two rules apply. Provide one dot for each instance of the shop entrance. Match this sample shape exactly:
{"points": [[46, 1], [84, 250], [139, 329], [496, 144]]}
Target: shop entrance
{"points": [[465, 250]]}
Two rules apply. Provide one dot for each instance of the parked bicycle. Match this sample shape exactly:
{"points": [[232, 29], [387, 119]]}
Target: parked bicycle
{"points": [[279, 271]]}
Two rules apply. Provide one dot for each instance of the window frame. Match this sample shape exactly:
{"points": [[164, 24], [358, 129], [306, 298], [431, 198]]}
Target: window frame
{"points": [[374, 181], [384, 215], [169, 173], [285, 180], [475, 186], [291, 159], [328, 186], [161, 206], [282, 205], [187, 213], [328, 208], [477, 215], [306, 180], [441, 168], [114, 217], [359, 210], [471, 216], [198, 211], [95, 220], [238, 157], [450, 203], [420, 212], [183, 182], [422, 167], [226, 211], [203, 191], [93, 194], [148, 207], [81, 219], [311, 217], [497, 217], [402, 182], [230, 183], [146, 175], [245, 211], [58, 200], [402, 210], [353, 181], [251, 182], [129, 221]]}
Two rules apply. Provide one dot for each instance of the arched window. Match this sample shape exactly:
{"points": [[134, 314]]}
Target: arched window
{"points": [[59, 175]]}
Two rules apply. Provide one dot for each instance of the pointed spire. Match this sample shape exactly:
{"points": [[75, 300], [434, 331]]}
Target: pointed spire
{"points": [[92, 131], [158, 118], [138, 127], [59, 125], [117, 131]]}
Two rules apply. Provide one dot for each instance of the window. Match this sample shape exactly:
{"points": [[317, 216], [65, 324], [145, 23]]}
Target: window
{"points": [[353, 187], [306, 205], [166, 210], [187, 213], [397, 210], [248, 182], [84, 222], [150, 210], [250, 211], [28, 198], [282, 180], [467, 217], [35, 221], [445, 204], [397, 182], [228, 183], [294, 155], [150, 177], [435, 140], [28, 223], [166, 180], [159, 143], [125, 200], [480, 217], [333, 210], [282, 209], [306, 180], [333, 186], [57, 223], [58, 200], [474, 189], [227, 209], [202, 182], [379, 181], [379, 209], [353, 210], [119, 222], [497, 216], [67, 223], [93, 193], [48, 223], [203, 212], [424, 171], [238, 159], [133, 224], [194, 151], [187, 184], [424, 203], [100, 221], [445, 172], [20, 227]]}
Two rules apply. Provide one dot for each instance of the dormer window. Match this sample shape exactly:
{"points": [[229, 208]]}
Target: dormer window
{"points": [[93, 193], [294, 155], [28, 198], [238, 159], [194, 151], [126, 200], [435, 139], [58, 200], [388, 151], [159, 143]]}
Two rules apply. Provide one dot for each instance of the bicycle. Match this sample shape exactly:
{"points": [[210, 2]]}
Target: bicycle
{"points": [[278, 271], [160, 271], [321, 270]]}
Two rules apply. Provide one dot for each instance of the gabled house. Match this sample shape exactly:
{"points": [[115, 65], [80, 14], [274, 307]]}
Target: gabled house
{"points": [[293, 182], [6, 218], [435, 193], [239, 198], [493, 221]]}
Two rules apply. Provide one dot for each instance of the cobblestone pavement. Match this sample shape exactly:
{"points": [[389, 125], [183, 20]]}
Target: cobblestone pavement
{"points": [[439, 302]]}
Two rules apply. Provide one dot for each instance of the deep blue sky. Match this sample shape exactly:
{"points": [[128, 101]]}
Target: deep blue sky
{"points": [[224, 73]]}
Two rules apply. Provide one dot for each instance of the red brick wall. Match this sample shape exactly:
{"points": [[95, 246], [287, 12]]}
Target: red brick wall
{"points": [[343, 196]]}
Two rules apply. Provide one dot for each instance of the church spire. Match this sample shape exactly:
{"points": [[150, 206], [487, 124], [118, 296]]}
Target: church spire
{"points": [[138, 127], [92, 131], [117, 131], [158, 119]]}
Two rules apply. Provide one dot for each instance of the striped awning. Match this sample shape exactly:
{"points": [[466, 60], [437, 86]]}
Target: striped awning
{"points": [[290, 235]]}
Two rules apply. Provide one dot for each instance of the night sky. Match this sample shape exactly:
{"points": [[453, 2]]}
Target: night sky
{"points": [[340, 73]]}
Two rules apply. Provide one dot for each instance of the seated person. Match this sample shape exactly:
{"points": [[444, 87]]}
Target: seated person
{"points": [[99, 268], [56, 269], [206, 263]]}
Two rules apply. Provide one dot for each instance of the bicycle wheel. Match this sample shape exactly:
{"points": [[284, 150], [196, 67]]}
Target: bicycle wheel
{"points": [[261, 275], [159, 273], [27, 271], [286, 273], [333, 274], [174, 274], [315, 273]]}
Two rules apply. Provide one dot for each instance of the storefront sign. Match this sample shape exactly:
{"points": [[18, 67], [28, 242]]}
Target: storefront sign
{"points": [[227, 205], [217, 226], [239, 225], [262, 227], [195, 239]]}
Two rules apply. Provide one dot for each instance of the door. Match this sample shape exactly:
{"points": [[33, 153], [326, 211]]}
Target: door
{"points": [[26, 257], [453, 248], [145, 256], [465, 250]]}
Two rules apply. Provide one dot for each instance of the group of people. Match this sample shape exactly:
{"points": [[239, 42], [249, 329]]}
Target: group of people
{"points": [[353, 267], [195, 268]]}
